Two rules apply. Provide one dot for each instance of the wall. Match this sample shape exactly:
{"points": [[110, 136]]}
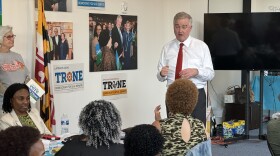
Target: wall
{"points": [[145, 91], [154, 27], [265, 6]]}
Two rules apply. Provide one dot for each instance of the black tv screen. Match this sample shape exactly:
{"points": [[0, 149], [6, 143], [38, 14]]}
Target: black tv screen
{"points": [[243, 41]]}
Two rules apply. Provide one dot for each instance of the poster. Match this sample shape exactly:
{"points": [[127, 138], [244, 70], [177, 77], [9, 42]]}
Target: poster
{"points": [[56, 5], [114, 86], [35, 91], [68, 78], [60, 35], [112, 42], [96, 4]]}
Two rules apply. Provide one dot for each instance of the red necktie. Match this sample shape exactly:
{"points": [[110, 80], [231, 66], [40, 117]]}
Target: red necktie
{"points": [[179, 61]]}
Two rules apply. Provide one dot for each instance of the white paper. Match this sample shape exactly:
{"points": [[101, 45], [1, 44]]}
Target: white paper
{"points": [[35, 91]]}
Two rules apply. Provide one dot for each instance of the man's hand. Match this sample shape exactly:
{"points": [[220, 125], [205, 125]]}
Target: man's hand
{"points": [[164, 71], [157, 113], [188, 73]]}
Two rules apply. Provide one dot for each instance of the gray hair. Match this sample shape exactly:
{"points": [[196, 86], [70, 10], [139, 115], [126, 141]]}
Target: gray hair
{"points": [[101, 123], [3, 31], [182, 15]]}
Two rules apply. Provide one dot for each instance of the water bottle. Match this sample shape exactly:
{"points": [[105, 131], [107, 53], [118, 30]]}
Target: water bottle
{"points": [[64, 124], [52, 145], [213, 129]]}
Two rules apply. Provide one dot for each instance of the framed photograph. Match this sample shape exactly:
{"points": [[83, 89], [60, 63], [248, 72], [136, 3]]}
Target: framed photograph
{"points": [[112, 42], [56, 5], [60, 36]]}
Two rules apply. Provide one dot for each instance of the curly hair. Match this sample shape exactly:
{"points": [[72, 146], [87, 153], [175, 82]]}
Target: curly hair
{"points": [[9, 93], [17, 140], [143, 140], [181, 97], [101, 123]]}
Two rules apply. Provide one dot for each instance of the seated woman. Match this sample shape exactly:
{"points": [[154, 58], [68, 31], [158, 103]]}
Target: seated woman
{"points": [[17, 141], [143, 140], [181, 131], [18, 111], [100, 122]]}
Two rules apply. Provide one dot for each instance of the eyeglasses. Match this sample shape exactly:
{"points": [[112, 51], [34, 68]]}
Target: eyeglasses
{"points": [[10, 37]]}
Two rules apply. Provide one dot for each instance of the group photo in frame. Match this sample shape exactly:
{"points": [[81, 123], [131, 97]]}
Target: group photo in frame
{"points": [[56, 5], [112, 42], [60, 36]]}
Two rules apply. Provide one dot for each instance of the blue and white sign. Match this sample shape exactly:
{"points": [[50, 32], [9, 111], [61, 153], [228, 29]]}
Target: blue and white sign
{"points": [[68, 77], [35, 91], [92, 3]]}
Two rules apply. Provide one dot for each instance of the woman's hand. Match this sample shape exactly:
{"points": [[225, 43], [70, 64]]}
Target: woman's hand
{"points": [[157, 113]]}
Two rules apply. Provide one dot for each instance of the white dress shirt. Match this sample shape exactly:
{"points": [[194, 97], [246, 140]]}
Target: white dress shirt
{"points": [[196, 54]]}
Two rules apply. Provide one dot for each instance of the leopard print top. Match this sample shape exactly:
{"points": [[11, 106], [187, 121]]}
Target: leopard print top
{"points": [[174, 145]]}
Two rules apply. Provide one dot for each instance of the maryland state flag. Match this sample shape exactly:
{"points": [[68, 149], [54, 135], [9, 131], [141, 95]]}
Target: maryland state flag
{"points": [[42, 65]]}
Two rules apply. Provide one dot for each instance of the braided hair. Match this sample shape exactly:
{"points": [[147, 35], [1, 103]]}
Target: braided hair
{"points": [[9, 93]]}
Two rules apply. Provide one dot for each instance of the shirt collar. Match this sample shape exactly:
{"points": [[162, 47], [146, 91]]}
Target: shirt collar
{"points": [[187, 42]]}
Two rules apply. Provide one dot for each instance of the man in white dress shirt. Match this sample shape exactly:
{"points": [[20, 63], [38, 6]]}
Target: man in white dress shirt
{"points": [[196, 63]]}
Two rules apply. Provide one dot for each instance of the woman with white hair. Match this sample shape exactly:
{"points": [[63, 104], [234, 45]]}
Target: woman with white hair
{"points": [[100, 122], [12, 67]]}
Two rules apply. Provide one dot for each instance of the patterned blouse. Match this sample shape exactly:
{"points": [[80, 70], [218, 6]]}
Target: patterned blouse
{"points": [[171, 131], [25, 120]]}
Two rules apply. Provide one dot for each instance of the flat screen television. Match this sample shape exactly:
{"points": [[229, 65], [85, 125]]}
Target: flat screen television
{"points": [[243, 41]]}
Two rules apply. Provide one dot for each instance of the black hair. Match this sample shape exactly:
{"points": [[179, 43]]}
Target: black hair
{"points": [[143, 140], [95, 29], [9, 93], [17, 140], [104, 37]]}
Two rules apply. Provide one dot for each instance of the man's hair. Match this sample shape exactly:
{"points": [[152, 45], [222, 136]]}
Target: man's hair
{"points": [[9, 93], [17, 141], [181, 96], [3, 31], [119, 17], [182, 15], [143, 140], [101, 123]]}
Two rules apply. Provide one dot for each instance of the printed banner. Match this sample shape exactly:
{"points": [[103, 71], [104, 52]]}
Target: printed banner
{"points": [[92, 3], [35, 91], [68, 77], [114, 86]]}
